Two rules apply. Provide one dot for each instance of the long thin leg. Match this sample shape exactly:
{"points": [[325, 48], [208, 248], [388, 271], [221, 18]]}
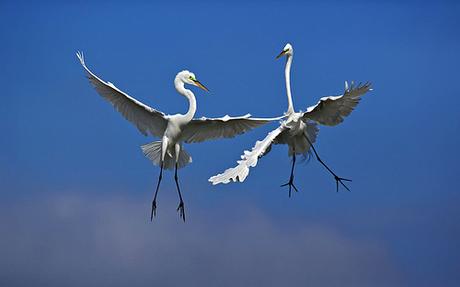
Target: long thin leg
{"points": [[291, 178], [337, 178], [154, 202], [180, 208]]}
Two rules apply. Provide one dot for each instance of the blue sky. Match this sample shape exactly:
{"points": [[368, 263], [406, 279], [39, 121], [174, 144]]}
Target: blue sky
{"points": [[76, 189]]}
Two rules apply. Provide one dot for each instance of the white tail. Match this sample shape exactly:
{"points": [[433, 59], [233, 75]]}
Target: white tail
{"points": [[299, 144], [153, 152]]}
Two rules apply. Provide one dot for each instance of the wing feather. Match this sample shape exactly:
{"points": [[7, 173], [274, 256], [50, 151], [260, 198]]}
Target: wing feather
{"points": [[331, 111], [248, 159], [145, 118], [202, 129]]}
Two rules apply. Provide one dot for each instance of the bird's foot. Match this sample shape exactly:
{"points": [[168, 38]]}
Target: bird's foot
{"points": [[291, 185], [153, 213], [341, 180], [181, 210]]}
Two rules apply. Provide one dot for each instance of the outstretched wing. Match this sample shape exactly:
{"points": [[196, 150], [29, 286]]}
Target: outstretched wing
{"points": [[331, 111], [202, 129], [248, 159], [146, 119]]}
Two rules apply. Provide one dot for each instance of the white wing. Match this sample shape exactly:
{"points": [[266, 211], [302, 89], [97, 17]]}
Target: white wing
{"points": [[332, 110], [146, 119], [202, 129], [248, 159]]}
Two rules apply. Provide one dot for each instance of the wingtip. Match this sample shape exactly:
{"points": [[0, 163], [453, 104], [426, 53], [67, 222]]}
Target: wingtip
{"points": [[367, 85], [80, 57], [213, 180]]}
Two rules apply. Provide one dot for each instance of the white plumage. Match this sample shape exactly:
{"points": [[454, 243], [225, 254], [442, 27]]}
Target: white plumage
{"points": [[172, 129], [299, 130], [248, 159]]}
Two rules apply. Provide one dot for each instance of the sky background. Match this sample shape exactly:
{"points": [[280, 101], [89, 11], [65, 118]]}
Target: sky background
{"points": [[75, 189]]}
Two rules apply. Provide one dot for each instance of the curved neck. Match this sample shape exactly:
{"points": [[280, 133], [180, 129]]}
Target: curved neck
{"points": [[189, 95], [287, 72]]}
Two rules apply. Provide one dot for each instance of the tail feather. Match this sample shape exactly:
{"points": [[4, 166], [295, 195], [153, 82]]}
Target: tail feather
{"points": [[299, 144], [153, 152]]}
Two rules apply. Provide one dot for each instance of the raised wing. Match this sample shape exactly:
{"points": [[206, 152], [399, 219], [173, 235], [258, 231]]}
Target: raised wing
{"points": [[202, 129], [146, 119], [248, 159], [332, 110]]}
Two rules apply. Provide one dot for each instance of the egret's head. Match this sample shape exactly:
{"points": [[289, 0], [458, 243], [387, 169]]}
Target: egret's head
{"points": [[189, 78], [287, 50]]}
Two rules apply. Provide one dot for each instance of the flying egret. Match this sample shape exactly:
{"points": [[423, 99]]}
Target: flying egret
{"points": [[172, 129], [298, 130]]}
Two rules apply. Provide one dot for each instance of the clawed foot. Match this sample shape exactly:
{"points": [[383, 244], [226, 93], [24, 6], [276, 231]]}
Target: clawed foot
{"points": [[154, 210], [181, 210], [339, 179], [291, 185]]}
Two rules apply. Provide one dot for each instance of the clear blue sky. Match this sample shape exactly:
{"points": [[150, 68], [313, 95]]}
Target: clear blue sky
{"points": [[75, 188]]}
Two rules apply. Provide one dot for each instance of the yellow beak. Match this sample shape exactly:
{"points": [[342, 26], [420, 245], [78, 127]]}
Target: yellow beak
{"points": [[200, 85], [281, 54]]}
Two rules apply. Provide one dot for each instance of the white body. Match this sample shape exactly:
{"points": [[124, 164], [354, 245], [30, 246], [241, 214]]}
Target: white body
{"points": [[172, 129], [297, 126]]}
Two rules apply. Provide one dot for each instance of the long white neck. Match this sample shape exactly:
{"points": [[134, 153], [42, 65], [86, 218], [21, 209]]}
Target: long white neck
{"points": [[189, 95], [287, 75]]}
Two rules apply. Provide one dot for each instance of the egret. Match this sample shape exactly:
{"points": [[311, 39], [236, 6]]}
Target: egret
{"points": [[173, 130], [298, 130]]}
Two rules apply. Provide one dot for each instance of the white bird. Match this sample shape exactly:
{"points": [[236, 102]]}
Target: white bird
{"points": [[297, 130], [173, 130]]}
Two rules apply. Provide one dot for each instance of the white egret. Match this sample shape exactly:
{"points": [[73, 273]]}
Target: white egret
{"points": [[173, 130], [298, 130]]}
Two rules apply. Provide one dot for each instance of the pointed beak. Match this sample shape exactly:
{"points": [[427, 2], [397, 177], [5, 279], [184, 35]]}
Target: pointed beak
{"points": [[200, 85], [281, 54]]}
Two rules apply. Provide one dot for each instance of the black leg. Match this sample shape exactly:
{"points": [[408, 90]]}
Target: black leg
{"points": [[337, 178], [290, 183], [154, 202], [180, 208]]}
